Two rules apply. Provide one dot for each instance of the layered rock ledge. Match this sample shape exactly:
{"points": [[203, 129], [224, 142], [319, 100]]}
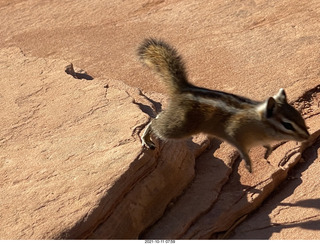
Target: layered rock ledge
{"points": [[73, 167], [70, 156]]}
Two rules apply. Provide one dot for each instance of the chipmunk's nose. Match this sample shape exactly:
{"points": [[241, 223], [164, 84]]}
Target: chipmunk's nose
{"points": [[305, 135]]}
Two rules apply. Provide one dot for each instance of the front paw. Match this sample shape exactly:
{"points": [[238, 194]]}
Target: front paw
{"points": [[268, 151]]}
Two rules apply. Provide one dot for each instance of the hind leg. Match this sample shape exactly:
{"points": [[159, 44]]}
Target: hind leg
{"points": [[169, 124], [146, 140]]}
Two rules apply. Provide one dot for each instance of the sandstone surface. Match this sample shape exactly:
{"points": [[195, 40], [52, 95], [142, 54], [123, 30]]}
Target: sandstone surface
{"points": [[70, 156]]}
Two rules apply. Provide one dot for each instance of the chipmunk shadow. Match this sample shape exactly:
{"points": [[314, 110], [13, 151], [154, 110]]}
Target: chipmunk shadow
{"points": [[153, 110], [263, 227]]}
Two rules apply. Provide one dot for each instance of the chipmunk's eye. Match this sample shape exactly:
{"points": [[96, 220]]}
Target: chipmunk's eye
{"points": [[288, 126]]}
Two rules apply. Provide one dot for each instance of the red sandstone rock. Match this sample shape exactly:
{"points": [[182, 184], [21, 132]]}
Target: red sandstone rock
{"points": [[71, 161]]}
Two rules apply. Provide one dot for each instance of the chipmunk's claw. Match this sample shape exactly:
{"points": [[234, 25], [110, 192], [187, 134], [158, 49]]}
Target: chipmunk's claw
{"points": [[149, 145], [249, 168]]}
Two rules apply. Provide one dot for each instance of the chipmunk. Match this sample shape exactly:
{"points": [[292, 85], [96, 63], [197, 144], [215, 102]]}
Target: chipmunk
{"points": [[240, 121]]}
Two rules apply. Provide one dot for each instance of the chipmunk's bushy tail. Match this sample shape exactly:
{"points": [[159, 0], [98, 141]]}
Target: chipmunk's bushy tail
{"points": [[164, 60]]}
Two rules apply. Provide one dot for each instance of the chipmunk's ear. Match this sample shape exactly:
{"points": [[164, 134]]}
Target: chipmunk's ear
{"points": [[281, 96], [271, 106]]}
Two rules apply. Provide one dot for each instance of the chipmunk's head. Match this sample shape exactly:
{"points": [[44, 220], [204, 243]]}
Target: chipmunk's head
{"points": [[284, 118]]}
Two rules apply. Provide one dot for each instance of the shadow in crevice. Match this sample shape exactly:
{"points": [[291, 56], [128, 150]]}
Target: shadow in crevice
{"points": [[309, 203], [309, 225], [77, 75], [196, 199]]}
